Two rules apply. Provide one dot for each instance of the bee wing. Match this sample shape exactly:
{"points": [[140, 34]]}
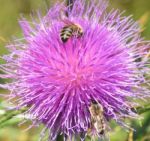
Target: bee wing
{"points": [[68, 22], [107, 125], [104, 138]]}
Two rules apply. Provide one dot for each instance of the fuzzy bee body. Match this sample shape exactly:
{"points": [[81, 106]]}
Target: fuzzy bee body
{"points": [[70, 30], [97, 118]]}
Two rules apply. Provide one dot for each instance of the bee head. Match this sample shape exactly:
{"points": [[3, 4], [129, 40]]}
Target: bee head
{"points": [[101, 132], [80, 33], [93, 101]]}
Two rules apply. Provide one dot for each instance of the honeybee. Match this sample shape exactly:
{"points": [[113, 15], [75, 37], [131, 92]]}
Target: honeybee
{"points": [[97, 118], [71, 29]]}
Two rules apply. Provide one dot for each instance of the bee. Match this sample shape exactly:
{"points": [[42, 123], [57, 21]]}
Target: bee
{"points": [[70, 30], [97, 118]]}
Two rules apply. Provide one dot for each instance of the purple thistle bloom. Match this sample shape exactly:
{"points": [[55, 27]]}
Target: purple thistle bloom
{"points": [[57, 81]]}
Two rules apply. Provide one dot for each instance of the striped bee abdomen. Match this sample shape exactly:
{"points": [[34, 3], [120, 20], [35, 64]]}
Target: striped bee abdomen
{"points": [[69, 31], [65, 33]]}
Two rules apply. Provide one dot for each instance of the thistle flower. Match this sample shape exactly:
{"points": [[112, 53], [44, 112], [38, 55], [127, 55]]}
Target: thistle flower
{"points": [[58, 81]]}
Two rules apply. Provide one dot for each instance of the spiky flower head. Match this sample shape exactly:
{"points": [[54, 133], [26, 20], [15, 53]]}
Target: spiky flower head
{"points": [[58, 81]]}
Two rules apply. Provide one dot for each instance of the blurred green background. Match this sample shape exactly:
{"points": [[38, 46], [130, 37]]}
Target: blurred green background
{"points": [[10, 13]]}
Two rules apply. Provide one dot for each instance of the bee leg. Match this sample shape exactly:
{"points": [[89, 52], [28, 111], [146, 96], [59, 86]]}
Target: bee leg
{"points": [[103, 137], [65, 137], [82, 136], [101, 132]]}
